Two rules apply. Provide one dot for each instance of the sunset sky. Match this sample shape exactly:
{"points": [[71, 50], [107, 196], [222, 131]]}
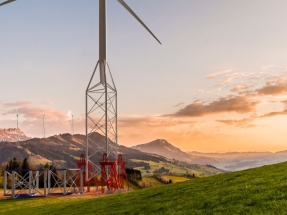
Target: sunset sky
{"points": [[218, 82]]}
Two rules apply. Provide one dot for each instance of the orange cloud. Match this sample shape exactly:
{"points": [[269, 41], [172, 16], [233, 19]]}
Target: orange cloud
{"points": [[240, 88], [275, 113], [273, 90], [246, 122], [238, 104], [151, 121], [242, 123]]}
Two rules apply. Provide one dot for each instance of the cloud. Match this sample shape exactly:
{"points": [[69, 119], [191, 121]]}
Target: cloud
{"points": [[238, 104], [47, 102], [246, 102], [30, 119], [243, 123], [272, 90], [274, 113], [151, 121], [17, 104], [230, 77], [246, 122], [179, 104], [216, 74], [240, 88], [268, 67]]}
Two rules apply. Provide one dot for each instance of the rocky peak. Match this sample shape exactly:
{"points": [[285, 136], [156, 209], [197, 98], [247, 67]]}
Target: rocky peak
{"points": [[12, 135]]}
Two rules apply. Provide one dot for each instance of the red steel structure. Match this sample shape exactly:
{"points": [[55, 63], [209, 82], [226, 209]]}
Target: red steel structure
{"points": [[82, 165], [111, 178]]}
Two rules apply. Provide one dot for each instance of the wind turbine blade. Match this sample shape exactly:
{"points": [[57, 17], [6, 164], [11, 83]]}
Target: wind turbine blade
{"points": [[133, 13], [6, 2]]}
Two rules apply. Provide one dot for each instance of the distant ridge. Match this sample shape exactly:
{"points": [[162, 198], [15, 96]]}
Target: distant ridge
{"points": [[163, 148], [61, 149], [12, 135], [230, 161], [64, 149]]}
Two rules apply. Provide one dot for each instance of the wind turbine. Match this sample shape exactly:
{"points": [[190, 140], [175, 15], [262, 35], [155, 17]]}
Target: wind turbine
{"points": [[17, 130], [17, 115], [6, 2], [44, 126], [72, 124], [101, 99]]}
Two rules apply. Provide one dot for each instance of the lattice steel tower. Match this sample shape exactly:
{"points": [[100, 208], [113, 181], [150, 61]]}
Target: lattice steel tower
{"points": [[101, 102]]}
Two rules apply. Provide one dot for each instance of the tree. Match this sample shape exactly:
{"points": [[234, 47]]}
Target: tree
{"points": [[25, 167], [25, 164], [46, 166], [13, 165]]}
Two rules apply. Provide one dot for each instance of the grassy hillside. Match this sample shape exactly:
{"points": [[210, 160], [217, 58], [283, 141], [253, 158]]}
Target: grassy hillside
{"points": [[176, 167], [255, 191]]}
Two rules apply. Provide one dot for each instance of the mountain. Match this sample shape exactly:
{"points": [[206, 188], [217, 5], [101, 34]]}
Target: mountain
{"points": [[12, 135], [232, 161], [164, 148], [63, 150], [229, 161]]}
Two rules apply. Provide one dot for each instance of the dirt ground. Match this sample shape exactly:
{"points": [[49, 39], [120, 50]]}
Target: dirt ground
{"points": [[57, 194]]}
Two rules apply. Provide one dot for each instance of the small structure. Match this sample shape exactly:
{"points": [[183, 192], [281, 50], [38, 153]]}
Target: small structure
{"points": [[36, 183], [64, 181], [25, 183]]}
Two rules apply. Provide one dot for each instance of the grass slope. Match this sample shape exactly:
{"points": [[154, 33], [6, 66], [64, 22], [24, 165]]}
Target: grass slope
{"points": [[149, 181], [178, 167], [255, 191]]}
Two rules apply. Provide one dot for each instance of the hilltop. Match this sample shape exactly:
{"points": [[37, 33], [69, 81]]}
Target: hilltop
{"points": [[164, 148], [260, 190]]}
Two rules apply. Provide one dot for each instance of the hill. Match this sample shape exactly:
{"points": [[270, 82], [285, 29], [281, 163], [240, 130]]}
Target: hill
{"points": [[260, 190], [62, 150], [163, 148], [232, 161], [229, 161]]}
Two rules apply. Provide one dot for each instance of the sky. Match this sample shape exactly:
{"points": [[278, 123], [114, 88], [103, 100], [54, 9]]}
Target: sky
{"points": [[217, 83]]}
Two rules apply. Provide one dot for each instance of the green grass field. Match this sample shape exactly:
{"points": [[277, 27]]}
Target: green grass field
{"points": [[255, 191], [198, 170], [176, 179], [150, 182]]}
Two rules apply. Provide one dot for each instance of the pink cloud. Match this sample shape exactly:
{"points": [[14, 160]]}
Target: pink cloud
{"points": [[217, 74]]}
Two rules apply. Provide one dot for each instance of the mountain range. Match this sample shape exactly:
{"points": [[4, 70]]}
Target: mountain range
{"points": [[64, 149], [229, 161]]}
